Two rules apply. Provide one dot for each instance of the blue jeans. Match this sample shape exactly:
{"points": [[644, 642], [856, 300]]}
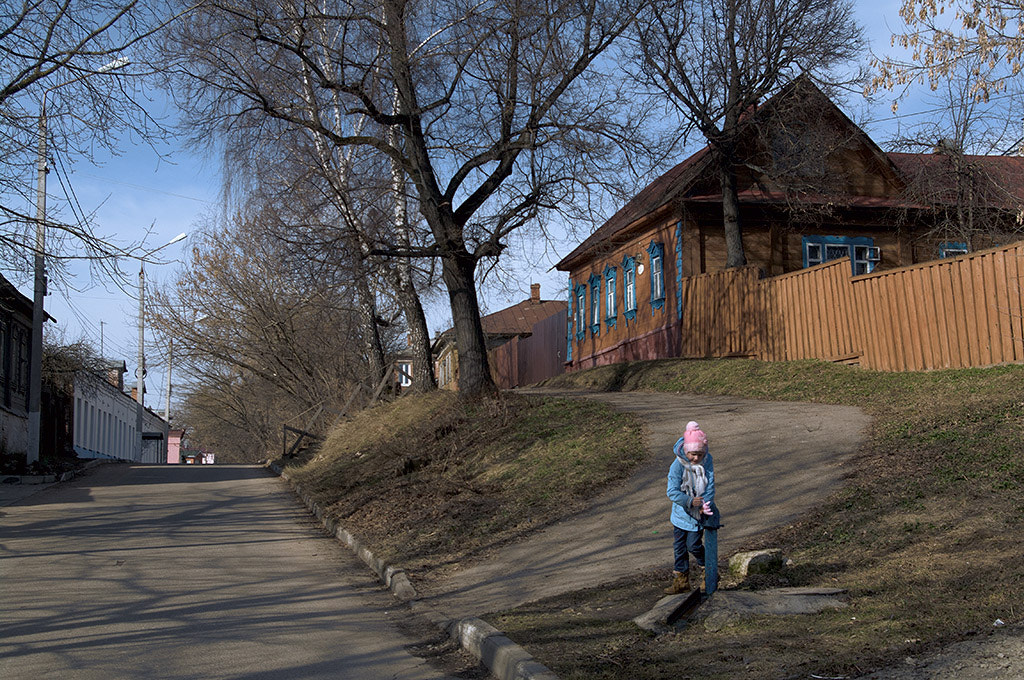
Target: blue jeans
{"points": [[687, 542]]}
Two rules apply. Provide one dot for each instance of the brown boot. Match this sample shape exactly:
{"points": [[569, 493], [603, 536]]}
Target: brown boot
{"points": [[680, 584]]}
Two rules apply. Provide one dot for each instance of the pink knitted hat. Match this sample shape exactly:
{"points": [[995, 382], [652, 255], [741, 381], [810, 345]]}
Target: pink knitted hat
{"points": [[694, 438]]}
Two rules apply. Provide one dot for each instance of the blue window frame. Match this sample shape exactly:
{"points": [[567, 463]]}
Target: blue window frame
{"points": [[679, 270], [952, 249], [863, 254], [595, 304], [569, 317], [610, 306], [581, 311], [629, 288], [657, 253]]}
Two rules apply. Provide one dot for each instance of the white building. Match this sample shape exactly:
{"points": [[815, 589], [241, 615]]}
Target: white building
{"points": [[104, 424]]}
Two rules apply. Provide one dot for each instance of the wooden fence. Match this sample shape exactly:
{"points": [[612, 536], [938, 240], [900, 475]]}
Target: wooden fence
{"points": [[527, 359], [952, 313], [966, 311]]}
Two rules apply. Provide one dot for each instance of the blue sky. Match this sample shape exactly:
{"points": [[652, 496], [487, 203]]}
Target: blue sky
{"points": [[139, 191]]}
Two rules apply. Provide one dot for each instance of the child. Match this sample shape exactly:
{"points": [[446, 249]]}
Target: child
{"points": [[691, 488]]}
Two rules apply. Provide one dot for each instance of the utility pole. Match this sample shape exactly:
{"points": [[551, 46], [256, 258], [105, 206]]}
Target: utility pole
{"points": [[35, 371], [140, 372]]}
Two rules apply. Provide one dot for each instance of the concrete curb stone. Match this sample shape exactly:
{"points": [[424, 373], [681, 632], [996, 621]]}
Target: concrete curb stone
{"points": [[503, 658]]}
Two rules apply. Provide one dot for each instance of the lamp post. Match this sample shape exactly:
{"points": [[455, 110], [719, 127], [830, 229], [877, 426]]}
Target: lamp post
{"points": [[140, 371], [35, 375]]}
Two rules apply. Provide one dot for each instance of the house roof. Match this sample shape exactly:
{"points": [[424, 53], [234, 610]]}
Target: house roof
{"points": [[655, 195], [1005, 174], [12, 300], [519, 319], [682, 182]]}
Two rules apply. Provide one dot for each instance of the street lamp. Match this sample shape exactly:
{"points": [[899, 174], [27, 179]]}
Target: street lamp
{"points": [[39, 286], [140, 371]]}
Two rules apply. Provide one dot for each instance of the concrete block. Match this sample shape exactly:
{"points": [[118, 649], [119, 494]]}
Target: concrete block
{"points": [[348, 539], [505, 659], [756, 562], [667, 611], [401, 587], [38, 479]]}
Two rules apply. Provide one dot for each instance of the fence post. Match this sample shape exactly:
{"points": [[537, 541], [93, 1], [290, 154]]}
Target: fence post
{"points": [[710, 560]]}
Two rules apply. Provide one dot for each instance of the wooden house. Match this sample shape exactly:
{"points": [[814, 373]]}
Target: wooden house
{"points": [[15, 345], [524, 344], [813, 187]]}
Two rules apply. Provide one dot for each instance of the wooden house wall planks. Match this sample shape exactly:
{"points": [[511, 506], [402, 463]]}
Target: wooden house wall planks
{"points": [[951, 313]]}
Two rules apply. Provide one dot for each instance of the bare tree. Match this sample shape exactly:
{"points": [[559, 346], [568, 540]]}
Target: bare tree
{"points": [[971, 200], [332, 202], [715, 60], [271, 336], [502, 110], [61, 81]]}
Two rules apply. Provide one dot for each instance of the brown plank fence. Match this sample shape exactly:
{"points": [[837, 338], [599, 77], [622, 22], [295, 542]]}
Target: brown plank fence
{"points": [[528, 359], [952, 313], [966, 311], [723, 314]]}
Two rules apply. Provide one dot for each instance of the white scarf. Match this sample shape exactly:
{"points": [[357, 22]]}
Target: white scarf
{"points": [[695, 478]]}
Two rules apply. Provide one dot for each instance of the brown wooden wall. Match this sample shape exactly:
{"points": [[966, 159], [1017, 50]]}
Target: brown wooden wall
{"points": [[952, 313], [653, 332], [722, 314]]}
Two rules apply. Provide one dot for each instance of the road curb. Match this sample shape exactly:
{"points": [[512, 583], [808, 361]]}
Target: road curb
{"points": [[497, 652]]}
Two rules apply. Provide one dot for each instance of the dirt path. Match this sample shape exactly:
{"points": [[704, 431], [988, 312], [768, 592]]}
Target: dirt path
{"points": [[773, 461]]}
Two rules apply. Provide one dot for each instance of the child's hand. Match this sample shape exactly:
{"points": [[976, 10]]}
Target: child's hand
{"points": [[706, 509], [698, 501]]}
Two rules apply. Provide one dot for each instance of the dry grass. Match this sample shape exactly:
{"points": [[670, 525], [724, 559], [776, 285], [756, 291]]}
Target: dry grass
{"points": [[925, 536], [431, 481]]}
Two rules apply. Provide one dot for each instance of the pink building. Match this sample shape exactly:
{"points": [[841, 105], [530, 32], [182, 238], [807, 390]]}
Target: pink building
{"points": [[174, 446]]}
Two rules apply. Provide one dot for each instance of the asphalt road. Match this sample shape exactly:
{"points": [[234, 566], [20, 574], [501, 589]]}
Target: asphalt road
{"points": [[187, 572]]}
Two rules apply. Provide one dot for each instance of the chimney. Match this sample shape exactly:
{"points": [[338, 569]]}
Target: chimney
{"points": [[115, 376], [135, 394], [534, 292]]}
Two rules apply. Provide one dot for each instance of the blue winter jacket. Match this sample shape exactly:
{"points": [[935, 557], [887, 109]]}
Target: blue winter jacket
{"points": [[681, 500]]}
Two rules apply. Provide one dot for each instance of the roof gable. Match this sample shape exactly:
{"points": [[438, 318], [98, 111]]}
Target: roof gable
{"points": [[801, 112], [519, 319]]}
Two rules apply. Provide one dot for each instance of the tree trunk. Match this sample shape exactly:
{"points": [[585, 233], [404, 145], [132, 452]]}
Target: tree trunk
{"points": [[474, 370], [735, 257], [423, 379], [372, 344], [457, 265]]}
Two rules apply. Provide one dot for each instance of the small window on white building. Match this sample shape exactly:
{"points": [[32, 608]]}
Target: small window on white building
{"points": [[405, 373]]}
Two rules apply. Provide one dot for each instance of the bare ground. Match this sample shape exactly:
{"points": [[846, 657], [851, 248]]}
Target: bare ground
{"points": [[999, 656]]}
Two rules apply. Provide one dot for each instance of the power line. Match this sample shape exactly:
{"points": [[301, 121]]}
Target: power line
{"points": [[154, 190], [76, 206]]}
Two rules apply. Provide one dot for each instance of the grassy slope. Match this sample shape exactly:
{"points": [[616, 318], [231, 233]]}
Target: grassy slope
{"points": [[429, 481], [926, 536]]}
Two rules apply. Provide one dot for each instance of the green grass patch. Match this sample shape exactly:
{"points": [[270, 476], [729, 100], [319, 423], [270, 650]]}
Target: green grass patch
{"points": [[924, 536], [435, 480]]}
